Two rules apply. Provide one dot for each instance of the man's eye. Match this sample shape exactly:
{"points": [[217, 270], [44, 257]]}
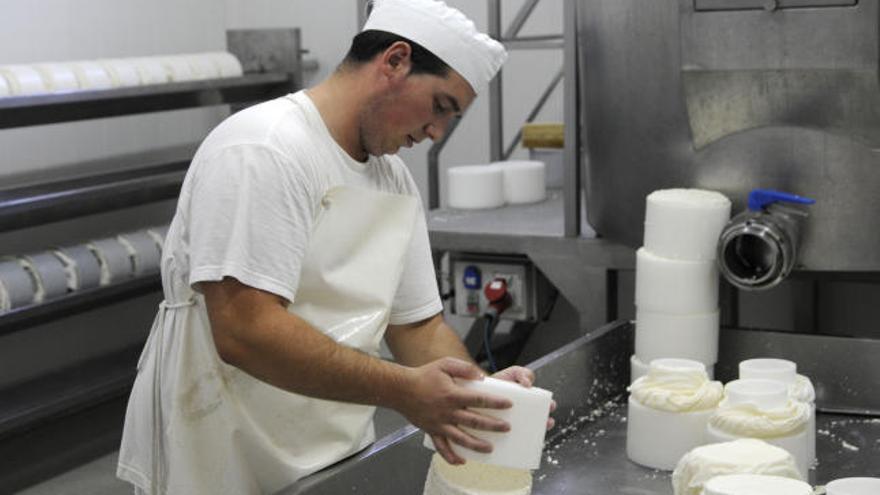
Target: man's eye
{"points": [[438, 108]]}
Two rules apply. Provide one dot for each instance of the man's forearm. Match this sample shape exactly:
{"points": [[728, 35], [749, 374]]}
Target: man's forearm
{"points": [[426, 341], [283, 350]]}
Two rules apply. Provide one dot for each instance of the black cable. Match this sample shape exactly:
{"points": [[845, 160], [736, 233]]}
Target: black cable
{"points": [[487, 342]]}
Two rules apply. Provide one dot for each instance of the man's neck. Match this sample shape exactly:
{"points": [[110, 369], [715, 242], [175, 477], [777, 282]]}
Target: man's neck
{"points": [[339, 102]]}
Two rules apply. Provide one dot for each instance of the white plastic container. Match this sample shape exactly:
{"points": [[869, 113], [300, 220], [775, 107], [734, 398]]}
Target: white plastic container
{"points": [[524, 181], [755, 484], [17, 285], [91, 75], [637, 368], [675, 286], [158, 234], [48, 273], [123, 72], [115, 261], [657, 438], [521, 446], [4, 87], [58, 77], [23, 80], [179, 68], [152, 70], [144, 252], [785, 371], [474, 187], [853, 486], [203, 66], [684, 224], [227, 64], [688, 336], [763, 395], [81, 265]]}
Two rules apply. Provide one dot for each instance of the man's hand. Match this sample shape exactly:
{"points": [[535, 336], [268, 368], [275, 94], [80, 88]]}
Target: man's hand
{"points": [[526, 378], [439, 406]]}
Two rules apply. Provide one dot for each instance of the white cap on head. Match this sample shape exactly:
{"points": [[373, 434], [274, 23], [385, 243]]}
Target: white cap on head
{"points": [[443, 31]]}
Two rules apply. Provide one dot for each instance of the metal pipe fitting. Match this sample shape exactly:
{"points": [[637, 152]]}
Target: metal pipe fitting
{"points": [[758, 248]]}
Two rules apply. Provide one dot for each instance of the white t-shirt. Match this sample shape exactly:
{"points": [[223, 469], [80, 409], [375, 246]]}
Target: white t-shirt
{"points": [[248, 204]]}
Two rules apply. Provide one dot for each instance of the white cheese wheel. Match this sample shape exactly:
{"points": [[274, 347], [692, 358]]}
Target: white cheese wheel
{"points": [[745, 456], [675, 286], [474, 187], [524, 181], [755, 484], [853, 486], [688, 336], [685, 224], [475, 478]]}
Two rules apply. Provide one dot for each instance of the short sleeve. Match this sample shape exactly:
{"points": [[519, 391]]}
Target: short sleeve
{"points": [[250, 218], [417, 296]]}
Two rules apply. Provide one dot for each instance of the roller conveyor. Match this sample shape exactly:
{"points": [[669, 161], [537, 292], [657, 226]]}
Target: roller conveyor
{"points": [[586, 453]]}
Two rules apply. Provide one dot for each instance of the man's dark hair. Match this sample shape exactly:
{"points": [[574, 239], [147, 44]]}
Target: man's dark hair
{"points": [[368, 44]]}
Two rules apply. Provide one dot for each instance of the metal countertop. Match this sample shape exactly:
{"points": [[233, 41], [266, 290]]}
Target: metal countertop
{"points": [[590, 457]]}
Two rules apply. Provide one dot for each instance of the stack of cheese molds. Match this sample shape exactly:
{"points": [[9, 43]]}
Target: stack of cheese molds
{"points": [[677, 278]]}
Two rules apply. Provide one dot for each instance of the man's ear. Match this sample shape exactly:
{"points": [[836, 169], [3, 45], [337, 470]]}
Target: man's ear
{"points": [[397, 59]]}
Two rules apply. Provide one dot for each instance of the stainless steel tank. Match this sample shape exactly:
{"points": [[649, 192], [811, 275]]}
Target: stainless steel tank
{"points": [[733, 95]]}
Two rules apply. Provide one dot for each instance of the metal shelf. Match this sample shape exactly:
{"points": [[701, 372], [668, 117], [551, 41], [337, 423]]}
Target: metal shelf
{"points": [[536, 230], [76, 302], [24, 406], [109, 184], [23, 111]]}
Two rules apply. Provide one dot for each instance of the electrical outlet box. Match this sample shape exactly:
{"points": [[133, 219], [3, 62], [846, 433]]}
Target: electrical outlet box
{"points": [[471, 274]]}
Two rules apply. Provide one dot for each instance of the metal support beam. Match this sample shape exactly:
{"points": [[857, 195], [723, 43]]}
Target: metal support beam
{"points": [[362, 7], [496, 121], [434, 166], [572, 187], [521, 16], [534, 113]]}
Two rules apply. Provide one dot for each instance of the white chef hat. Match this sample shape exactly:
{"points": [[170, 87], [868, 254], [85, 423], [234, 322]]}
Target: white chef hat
{"points": [[443, 31]]}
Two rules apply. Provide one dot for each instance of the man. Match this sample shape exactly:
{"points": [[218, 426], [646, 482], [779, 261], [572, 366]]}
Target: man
{"points": [[298, 243]]}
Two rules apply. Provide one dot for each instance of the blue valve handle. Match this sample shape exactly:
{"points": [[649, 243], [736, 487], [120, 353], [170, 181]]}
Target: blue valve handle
{"points": [[762, 198]]}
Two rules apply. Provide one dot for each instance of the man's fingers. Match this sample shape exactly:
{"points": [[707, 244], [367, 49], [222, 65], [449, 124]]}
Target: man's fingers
{"points": [[524, 376], [478, 421], [466, 440], [445, 450], [551, 423], [483, 401], [517, 374], [457, 368]]}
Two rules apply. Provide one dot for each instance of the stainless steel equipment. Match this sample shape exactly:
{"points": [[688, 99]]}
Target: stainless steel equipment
{"points": [[733, 95], [586, 454]]}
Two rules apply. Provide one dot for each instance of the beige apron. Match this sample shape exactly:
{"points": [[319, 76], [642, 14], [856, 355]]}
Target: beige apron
{"points": [[201, 426]]}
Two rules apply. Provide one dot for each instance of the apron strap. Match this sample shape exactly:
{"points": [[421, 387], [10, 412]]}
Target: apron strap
{"points": [[177, 305]]}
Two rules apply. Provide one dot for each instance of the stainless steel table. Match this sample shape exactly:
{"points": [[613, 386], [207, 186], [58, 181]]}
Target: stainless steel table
{"points": [[586, 454]]}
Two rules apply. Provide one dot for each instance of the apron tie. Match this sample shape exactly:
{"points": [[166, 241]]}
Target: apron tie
{"points": [[177, 305]]}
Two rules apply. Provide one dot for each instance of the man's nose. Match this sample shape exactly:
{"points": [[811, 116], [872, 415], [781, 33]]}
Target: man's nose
{"points": [[437, 129]]}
